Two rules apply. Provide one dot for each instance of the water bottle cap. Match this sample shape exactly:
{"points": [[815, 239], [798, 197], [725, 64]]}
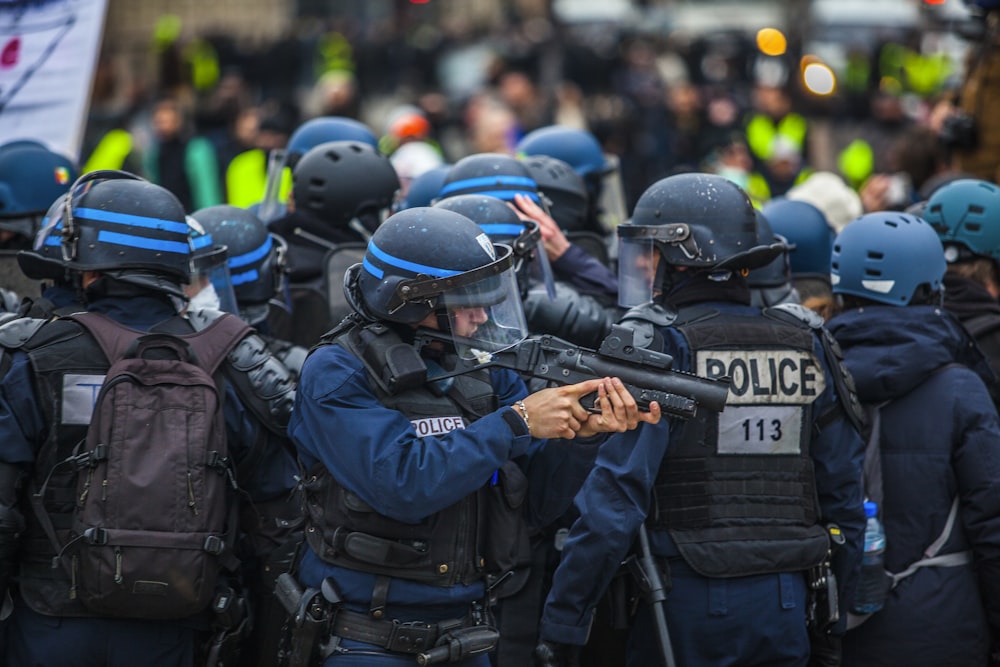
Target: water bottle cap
{"points": [[871, 509]]}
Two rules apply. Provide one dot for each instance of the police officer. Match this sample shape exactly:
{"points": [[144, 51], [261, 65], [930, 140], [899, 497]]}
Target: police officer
{"points": [[416, 488], [258, 271], [937, 437], [736, 504], [772, 284], [341, 191], [966, 215], [31, 177], [125, 243]]}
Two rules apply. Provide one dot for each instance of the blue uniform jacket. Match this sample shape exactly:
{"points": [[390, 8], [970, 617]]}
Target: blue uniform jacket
{"points": [[586, 274], [375, 452], [615, 499], [940, 437]]}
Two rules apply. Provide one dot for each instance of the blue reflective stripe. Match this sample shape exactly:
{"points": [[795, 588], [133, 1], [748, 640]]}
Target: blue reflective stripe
{"points": [[133, 241], [372, 269], [245, 277], [409, 266], [252, 256], [487, 181], [502, 229], [200, 242], [508, 195], [134, 220], [53, 240]]}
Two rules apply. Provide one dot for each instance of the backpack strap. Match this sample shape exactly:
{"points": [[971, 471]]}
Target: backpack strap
{"points": [[217, 340], [114, 338]]}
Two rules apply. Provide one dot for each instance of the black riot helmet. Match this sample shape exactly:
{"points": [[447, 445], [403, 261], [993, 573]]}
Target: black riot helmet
{"points": [[564, 189], [119, 224], [700, 221], [503, 225], [430, 260], [339, 181], [771, 284], [493, 174], [256, 258]]}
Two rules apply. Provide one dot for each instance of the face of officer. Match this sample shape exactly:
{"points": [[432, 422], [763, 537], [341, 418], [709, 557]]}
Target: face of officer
{"points": [[464, 321]]}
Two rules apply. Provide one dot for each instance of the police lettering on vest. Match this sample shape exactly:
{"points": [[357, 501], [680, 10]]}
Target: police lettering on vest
{"points": [[768, 390], [437, 425]]}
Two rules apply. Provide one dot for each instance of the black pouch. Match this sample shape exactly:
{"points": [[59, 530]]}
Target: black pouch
{"points": [[506, 545]]}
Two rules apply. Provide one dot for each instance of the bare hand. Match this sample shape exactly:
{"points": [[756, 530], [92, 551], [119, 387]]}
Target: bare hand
{"points": [[556, 412], [553, 239], [618, 411]]}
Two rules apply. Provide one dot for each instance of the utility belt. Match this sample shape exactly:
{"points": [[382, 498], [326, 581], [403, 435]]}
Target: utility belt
{"points": [[319, 622]]}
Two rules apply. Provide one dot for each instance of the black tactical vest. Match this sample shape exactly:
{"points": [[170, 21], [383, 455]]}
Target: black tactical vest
{"points": [[457, 545], [737, 490]]}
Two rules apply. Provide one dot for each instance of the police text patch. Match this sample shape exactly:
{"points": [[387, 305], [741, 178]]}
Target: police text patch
{"points": [[437, 425], [762, 377]]}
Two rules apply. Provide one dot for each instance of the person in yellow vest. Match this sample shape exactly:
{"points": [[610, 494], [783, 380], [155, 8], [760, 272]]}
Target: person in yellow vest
{"points": [[247, 173], [771, 118]]}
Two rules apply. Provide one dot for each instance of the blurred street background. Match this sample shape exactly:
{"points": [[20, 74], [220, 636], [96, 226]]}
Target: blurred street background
{"points": [[663, 84]]}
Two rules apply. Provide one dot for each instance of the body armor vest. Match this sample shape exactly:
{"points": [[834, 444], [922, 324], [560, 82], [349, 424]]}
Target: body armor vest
{"points": [[457, 545], [736, 490]]}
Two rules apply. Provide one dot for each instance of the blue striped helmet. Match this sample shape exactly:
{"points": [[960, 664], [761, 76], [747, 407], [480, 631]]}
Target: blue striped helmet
{"points": [[493, 174], [113, 221]]}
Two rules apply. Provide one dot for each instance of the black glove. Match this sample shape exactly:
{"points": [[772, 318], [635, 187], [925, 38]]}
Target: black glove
{"points": [[552, 654], [825, 649]]}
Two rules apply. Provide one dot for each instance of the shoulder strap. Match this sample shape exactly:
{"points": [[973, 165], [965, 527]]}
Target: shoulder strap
{"points": [[215, 341], [114, 338]]}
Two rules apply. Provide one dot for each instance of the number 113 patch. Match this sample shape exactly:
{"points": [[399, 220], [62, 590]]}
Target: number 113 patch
{"points": [[764, 429]]}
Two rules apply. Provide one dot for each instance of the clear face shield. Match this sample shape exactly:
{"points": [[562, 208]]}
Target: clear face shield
{"points": [[638, 259], [210, 285], [611, 208], [483, 306]]}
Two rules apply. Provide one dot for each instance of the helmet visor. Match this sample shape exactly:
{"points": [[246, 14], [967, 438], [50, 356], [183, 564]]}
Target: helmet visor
{"points": [[611, 208], [486, 315], [211, 285], [637, 262]]}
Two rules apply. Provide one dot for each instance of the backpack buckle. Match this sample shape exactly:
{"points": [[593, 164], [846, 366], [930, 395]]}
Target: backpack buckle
{"points": [[214, 545], [96, 536]]}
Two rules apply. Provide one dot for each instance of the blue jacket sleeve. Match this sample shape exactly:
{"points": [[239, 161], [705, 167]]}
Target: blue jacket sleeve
{"points": [[612, 504], [375, 451], [22, 423], [586, 274]]}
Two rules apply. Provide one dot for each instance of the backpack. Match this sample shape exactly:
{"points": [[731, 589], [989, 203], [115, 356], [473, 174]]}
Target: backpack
{"points": [[156, 512]]}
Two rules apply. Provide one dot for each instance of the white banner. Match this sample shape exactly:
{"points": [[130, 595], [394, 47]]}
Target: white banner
{"points": [[48, 51]]}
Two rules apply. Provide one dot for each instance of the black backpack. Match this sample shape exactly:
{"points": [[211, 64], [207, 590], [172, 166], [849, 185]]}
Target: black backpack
{"points": [[156, 512]]}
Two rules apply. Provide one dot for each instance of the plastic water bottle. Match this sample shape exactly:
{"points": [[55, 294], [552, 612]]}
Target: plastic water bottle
{"points": [[870, 594]]}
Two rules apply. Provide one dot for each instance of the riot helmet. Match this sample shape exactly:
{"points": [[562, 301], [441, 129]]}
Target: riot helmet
{"points": [[342, 181], [257, 258], [771, 283], [122, 225], [888, 257], [699, 221], [31, 178], [493, 174], [966, 216], [564, 190], [210, 286], [503, 225], [322, 130], [583, 152], [805, 227], [431, 261]]}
